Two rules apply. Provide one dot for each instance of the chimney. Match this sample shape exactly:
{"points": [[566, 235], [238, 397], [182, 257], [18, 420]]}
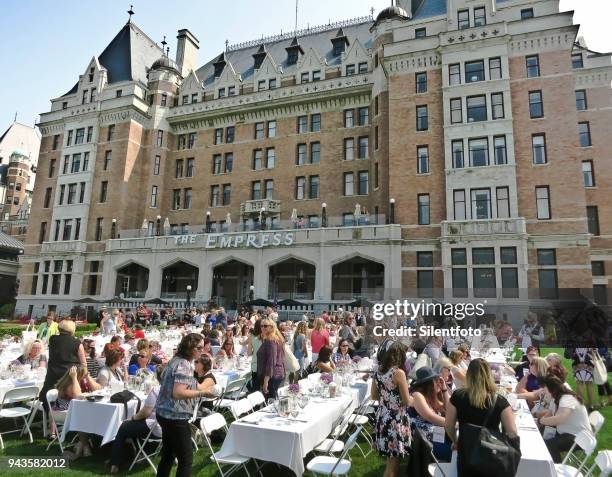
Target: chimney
{"points": [[186, 51]]}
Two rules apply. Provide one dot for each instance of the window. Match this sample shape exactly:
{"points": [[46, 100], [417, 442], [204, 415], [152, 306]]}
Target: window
{"points": [[301, 155], [547, 257], [231, 91], [474, 71], [313, 189], [315, 123], [187, 193], [259, 130], [481, 203], [421, 82], [89, 133], [85, 161], [229, 134], [216, 169], [176, 199], [178, 170], [221, 93], [499, 148], [229, 162], [81, 192], [458, 159], [119, 93], [69, 138], [495, 68], [85, 96], [532, 63], [364, 116], [454, 74], [598, 269], [459, 272], [480, 16], [55, 142], [348, 220], [363, 182], [363, 67], [422, 119], [103, 192], [538, 146], [194, 97], [456, 111], [536, 106], [160, 138], [502, 195], [349, 184], [463, 19], [587, 174], [526, 13], [191, 141], [47, 199], [581, 100], [476, 108], [272, 83], [422, 160], [363, 147], [218, 136], [214, 196], [108, 157], [315, 152], [156, 165], [256, 190], [547, 278], [257, 159], [185, 99], [65, 105], [110, 133], [459, 204], [300, 188], [593, 219], [76, 163], [227, 194], [420, 33], [61, 196], [584, 132], [376, 105], [479, 152], [423, 209], [189, 170], [42, 232], [316, 75], [350, 70], [271, 128], [305, 77], [376, 177], [483, 275], [57, 230], [302, 124], [164, 99], [261, 85], [577, 61], [543, 202], [52, 167], [497, 105], [425, 277], [376, 142], [99, 224], [349, 149], [154, 196], [270, 158], [349, 121]]}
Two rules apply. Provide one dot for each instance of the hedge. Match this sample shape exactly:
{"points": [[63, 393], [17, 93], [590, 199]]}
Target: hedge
{"points": [[81, 330]]}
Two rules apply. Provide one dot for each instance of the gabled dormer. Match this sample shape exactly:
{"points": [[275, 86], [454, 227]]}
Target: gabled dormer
{"points": [[268, 75], [91, 83], [340, 42], [294, 51], [355, 60], [220, 64], [228, 82], [259, 56], [191, 89], [311, 67]]}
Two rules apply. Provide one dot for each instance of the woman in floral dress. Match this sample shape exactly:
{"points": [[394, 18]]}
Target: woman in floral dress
{"points": [[392, 439]]}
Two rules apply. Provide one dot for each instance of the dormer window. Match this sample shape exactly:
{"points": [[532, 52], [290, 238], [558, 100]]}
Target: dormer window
{"points": [[220, 65], [293, 52], [340, 42], [91, 75], [259, 57]]}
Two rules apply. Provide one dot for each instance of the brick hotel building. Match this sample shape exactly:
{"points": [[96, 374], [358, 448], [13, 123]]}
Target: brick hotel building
{"points": [[461, 145]]}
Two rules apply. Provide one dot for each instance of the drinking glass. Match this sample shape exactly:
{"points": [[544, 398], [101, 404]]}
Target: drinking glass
{"points": [[295, 410], [303, 401], [283, 407], [272, 404]]}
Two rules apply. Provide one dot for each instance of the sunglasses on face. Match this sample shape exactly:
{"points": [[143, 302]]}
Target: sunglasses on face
{"points": [[344, 346], [266, 326], [142, 356]]}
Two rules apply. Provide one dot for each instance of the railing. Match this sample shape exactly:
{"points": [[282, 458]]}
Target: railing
{"points": [[484, 227], [255, 206]]}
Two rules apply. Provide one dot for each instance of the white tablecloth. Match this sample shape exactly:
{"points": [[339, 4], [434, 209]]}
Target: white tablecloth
{"points": [[8, 384], [102, 418], [225, 377], [275, 440], [536, 460]]}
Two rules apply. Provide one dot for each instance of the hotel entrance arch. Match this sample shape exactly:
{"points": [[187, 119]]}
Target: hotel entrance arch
{"points": [[232, 282], [132, 281], [176, 278], [358, 277], [291, 279]]}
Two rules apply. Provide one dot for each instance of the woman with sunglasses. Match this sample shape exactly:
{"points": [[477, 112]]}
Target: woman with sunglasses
{"points": [[343, 353], [178, 391], [270, 359], [227, 350]]}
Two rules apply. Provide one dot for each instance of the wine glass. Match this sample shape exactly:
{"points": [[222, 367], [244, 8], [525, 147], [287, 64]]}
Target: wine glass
{"points": [[272, 404], [303, 401], [295, 410], [283, 408]]}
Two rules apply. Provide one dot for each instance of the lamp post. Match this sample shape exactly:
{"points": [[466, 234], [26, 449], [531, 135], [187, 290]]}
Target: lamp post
{"points": [[252, 292], [323, 214], [208, 221], [114, 229], [158, 226], [262, 218], [392, 211], [188, 298]]}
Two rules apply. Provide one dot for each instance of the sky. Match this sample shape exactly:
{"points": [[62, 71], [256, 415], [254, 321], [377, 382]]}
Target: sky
{"points": [[46, 44]]}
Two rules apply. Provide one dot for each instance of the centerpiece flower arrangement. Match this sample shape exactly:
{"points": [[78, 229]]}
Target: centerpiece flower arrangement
{"points": [[293, 389], [327, 378]]}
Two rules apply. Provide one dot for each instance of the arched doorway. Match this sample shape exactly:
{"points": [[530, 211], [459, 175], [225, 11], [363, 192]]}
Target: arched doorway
{"points": [[176, 278], [291, 278], [358, 277], [132, 281], [232, 282]]}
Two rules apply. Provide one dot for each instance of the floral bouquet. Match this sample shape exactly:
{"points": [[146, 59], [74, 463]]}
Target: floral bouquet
{"points": [[293, 389], [356, 359], [327, 378]]}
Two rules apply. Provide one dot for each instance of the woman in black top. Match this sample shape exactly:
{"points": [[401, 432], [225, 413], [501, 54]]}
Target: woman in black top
{"points": [[202, 373], [470, 405], [65, 351]]}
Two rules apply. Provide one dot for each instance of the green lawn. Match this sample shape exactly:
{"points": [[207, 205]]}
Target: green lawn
{"points": [[372, 466]]}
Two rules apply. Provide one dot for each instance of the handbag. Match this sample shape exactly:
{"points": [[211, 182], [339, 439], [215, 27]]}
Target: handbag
{"points": [[291, 363], [600, 371], [123, 397], [486, 451]]}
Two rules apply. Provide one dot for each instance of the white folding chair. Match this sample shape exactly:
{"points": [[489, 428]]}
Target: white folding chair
{"points": [[603, 463], [37, 406], [230, 394], [257, 399], [240, 408], [332, 466], [597, 421], [572, 464], [212, 423], [332, 445], [25, 395], [360, 418], [142, 454], [56, 419]]}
